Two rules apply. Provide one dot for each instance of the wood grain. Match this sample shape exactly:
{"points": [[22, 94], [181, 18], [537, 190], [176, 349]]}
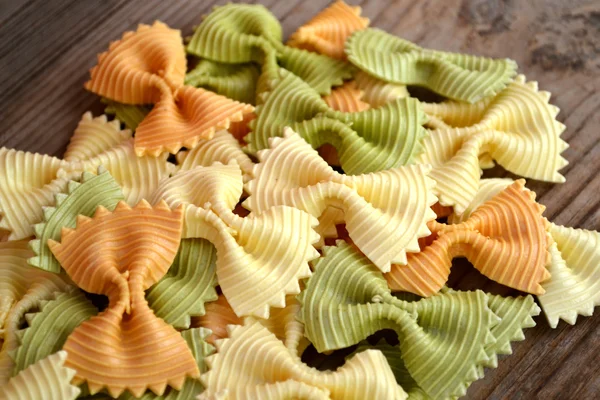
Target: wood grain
{"points": [[47, 48]]}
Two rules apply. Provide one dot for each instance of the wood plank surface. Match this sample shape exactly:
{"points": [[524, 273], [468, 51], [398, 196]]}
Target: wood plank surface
{"points": [[47, 47]]}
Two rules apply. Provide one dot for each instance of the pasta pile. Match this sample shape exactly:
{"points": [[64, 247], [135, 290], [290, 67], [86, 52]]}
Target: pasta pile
{"points": [[311, 203]]}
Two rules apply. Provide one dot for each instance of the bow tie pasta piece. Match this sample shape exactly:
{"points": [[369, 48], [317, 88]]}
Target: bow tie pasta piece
{"points": [[94, 136], [81, 198], [517, 126], [137, 176], [346, 98], [22, 288], [236, 81], [282, 322], [367, 141], [49, 328], [27, 182], [327, 32], [364, 376], [260, 258], [242, 33], [377, 92], [457, 76], [120, 254], [221, 148], [48, 379], [574, 288], [188, 284], [148, 66], [442, 338], [505, 239], [385, 212]]}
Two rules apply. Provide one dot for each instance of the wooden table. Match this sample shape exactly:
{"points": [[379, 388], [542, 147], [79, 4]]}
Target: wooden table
{"points": [[47, 48]]}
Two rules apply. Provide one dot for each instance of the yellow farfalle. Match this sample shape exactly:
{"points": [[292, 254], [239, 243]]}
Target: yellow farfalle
{"points": [[148, 66], [261, 257], [120, 254], [282, 322], [223, 148], [574, 288], [505, 239], [517, 128], [48, 379], [385, 212], [29, 181], [253, 357], [327, 32], [22, 288], [377, 92], [94, 136]]}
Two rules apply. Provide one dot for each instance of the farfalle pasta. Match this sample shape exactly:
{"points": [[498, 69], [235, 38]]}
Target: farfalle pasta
{"points": [[445, 340], [385, 212], [367, 374], [282, 322], [221, 148], [22, 289], [505, 239], [238, 82], [367, 141], [327, 32], [457, 76], [513, 128], [572, 287], [314, 202], [47, 379], [116, 254], [29, 182], [250, 33], [188, 284], [261, 257], [148, 66]]}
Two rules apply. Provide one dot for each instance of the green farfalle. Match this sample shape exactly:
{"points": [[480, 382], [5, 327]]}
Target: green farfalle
{"points": [[367, 141], [189, 283], [81, 198], [242, 33], [516, 314], [130, 115], [442, 338], [49, 328], [394, 358], [457, 76], [236, 81]]}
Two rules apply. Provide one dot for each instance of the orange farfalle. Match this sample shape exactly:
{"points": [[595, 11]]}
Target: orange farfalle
{"points": [[148, 67], [327, 32], [505, 239], [345, 98], [120, 254]]}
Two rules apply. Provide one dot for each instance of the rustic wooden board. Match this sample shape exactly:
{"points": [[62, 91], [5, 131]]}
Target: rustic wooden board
{"points": [[47, 48]]}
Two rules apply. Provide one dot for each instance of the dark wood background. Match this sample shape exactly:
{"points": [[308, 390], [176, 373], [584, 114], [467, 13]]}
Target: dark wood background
{"points": [[47, 47]]}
